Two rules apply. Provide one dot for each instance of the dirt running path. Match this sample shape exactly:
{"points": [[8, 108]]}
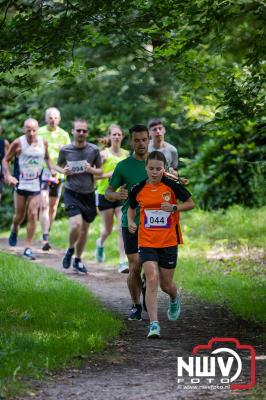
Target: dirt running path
{"points": [[134, 368]]}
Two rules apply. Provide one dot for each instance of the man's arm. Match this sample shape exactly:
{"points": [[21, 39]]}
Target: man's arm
{"points": [[93, 170], [47, 158], [112, 195], [13, 150], [131, 216], [62, 165]]}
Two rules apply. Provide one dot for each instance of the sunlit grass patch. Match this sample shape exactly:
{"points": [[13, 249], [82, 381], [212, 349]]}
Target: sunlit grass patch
{"points": [[240, 293], [47, 321]]}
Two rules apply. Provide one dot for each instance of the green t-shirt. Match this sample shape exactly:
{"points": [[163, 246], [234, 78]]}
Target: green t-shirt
{"points": [[129, 171], [56, 140]]}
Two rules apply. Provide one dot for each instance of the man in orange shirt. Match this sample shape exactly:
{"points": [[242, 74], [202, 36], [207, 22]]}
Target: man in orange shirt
{"points": [[159, 233]]}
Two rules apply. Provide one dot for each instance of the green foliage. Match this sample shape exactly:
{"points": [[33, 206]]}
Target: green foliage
{"points": [[47, 322], [198, 64], [230, 168]]}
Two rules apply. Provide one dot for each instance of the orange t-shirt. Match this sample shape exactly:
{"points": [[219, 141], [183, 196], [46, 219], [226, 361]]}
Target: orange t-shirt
{"points": [[158, 228]]}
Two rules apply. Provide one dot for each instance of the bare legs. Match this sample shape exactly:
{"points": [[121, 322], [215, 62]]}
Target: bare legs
{"points": [[78, 233], [134, 277], [154, 276], [107, 227], [31, 204]]}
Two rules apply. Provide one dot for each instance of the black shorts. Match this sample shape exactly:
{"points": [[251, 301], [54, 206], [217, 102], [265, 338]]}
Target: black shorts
{"points": [[130, 241], [54, 188], [26, 193], [104, 204], [166, 257], [80, 203]]}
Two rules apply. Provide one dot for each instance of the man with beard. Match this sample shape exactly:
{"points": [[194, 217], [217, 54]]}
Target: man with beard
{"points": [[126, 174], [79, 161]]}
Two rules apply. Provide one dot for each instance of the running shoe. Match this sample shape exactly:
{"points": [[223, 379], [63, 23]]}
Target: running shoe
{"points": [[135, 314], [46, 246], [99, 252], [123, 268], [66, 262], [13, 237], [154, 330], [29, 254], [143, 290], [174, 309], [79, 267]]}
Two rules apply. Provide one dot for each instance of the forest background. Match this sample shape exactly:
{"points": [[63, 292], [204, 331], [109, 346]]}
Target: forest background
{"points": [[199, 65]]}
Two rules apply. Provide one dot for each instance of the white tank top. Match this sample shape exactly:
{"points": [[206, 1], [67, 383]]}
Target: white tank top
{"points": [[30, 161]]}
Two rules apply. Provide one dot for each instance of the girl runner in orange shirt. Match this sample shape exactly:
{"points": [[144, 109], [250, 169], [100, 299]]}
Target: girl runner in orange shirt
{"points": [[159, 234]]}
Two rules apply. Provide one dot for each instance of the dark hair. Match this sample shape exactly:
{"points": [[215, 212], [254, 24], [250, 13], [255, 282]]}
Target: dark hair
{"points": [[138, 128], [79, 120], [156, 155], [154, 121]]}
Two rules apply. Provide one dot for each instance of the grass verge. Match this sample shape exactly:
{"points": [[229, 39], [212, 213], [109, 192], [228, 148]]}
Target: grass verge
{"points": [[47, 322], [223, 259]]}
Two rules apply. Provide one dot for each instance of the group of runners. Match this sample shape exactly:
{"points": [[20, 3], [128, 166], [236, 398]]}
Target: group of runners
{"points": [[142, 190]]}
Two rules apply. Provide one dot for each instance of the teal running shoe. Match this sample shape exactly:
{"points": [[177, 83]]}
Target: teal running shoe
{"points": [[174, 309], [154, 330], [99, 252]]}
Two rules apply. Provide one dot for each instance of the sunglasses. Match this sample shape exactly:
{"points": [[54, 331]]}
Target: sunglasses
{"points": [[82, 130]]}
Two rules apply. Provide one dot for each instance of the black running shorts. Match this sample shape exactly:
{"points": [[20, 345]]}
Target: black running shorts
{"points": [[166, 257], [80, 203], [130, 241], [104, 204], [55, 189]]}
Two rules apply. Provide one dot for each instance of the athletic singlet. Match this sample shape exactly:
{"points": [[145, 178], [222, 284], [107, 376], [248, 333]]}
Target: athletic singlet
{"points": [[158, 228], [109, 165], [30, 162]]}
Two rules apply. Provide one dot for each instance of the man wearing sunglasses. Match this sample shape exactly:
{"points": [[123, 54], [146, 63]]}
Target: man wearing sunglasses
{"points": [[79, 161]]}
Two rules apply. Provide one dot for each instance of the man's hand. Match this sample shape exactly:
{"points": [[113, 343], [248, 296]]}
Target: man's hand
{"points": [[11, 180], [184, 181], [67, 170], [53, 172], [132, 227], [122, 193], [88, 168]]}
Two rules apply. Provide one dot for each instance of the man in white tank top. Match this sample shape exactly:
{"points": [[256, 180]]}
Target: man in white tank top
{"points": [[31, 151]]}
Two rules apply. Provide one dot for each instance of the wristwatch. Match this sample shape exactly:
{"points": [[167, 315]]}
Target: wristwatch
{"points": [[174, 207]]}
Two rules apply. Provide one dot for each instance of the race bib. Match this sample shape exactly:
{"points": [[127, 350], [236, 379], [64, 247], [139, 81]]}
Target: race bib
{"points": [[156, 219], [78, 167], [30, 173], [46, 175]]}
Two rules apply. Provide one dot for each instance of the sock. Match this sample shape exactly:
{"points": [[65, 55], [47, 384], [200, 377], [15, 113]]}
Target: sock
{"points": [[45, 237], [70, 250], [175, 301], [77, 259]]}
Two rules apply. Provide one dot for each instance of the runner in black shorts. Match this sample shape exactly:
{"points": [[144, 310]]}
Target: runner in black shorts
{"points": [[126, 174], [157, 239], [79, 162]]}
